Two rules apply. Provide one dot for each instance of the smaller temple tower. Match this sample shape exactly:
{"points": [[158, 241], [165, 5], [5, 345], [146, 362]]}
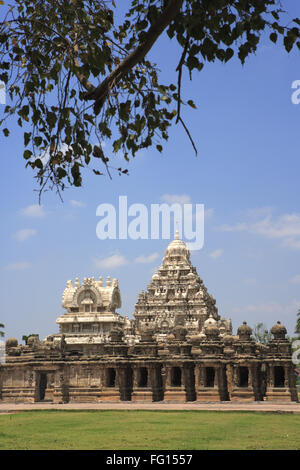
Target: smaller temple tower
{"points": [[91, 312]]}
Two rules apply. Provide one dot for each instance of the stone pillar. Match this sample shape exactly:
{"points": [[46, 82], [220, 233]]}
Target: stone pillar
{"points": [[197, 374], [271, 376], [61, 388], [229, 379], [35, 379], [123, 379], [189, 381], [286, 376], [156, 382], [292, 383], [168, 370], [256, 381], [235, 377], [201, 382], [135, 372], [222, 383]]}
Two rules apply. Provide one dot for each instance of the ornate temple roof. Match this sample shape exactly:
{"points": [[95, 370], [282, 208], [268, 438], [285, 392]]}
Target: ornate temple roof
{"points": [[92, 292], [176, 294]]}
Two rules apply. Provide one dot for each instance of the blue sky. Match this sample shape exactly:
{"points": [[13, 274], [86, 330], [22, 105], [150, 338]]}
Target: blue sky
{"points": [[246, 129]]}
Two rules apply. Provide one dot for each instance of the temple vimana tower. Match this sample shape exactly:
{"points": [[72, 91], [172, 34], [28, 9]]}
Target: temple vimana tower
{"points": [[176, 348]]}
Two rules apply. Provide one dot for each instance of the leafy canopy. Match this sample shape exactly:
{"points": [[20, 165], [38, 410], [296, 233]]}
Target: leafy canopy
{"points": [[73, 74]]}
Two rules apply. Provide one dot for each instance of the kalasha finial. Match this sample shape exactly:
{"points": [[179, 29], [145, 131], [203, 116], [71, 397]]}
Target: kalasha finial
{"points": [[177, 235]]}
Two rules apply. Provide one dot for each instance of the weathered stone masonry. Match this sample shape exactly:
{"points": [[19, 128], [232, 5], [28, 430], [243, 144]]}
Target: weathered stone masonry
{"points": [[176, 349]]}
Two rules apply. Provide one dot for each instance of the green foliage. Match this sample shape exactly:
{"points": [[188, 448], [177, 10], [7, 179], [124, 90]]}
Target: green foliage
{"points": [[74, 75], [1, 332], [261, 334]]}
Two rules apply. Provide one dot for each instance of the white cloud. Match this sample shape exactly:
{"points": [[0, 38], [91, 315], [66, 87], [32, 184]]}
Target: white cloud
{"points": [[260, 211], [295, 279], [233, 228], [24, 233], [35, 210], [146, 259], [271, 307], [113, 261], [285, 227], [176, 198], [75, 203], [19, 266], [216, 254]]}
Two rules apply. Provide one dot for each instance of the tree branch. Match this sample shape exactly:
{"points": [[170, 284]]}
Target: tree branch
{"points": [[100, 93], [179, 69]]}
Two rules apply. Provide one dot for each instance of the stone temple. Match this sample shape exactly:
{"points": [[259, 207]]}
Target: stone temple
{"points": [[177, 347]]}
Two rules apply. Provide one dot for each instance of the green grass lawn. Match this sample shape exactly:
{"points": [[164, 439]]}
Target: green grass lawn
{"points": [[148, 430]]}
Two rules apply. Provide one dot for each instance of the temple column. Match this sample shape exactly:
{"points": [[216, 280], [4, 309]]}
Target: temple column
{"points": [[189, 381], [156, 378], [222, 383], [124, 382], [286, 376], [197, 373], [61, 386]]}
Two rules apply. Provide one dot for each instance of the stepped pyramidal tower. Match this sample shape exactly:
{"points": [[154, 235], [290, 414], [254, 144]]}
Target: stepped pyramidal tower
{"points": [[176, 296]]}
